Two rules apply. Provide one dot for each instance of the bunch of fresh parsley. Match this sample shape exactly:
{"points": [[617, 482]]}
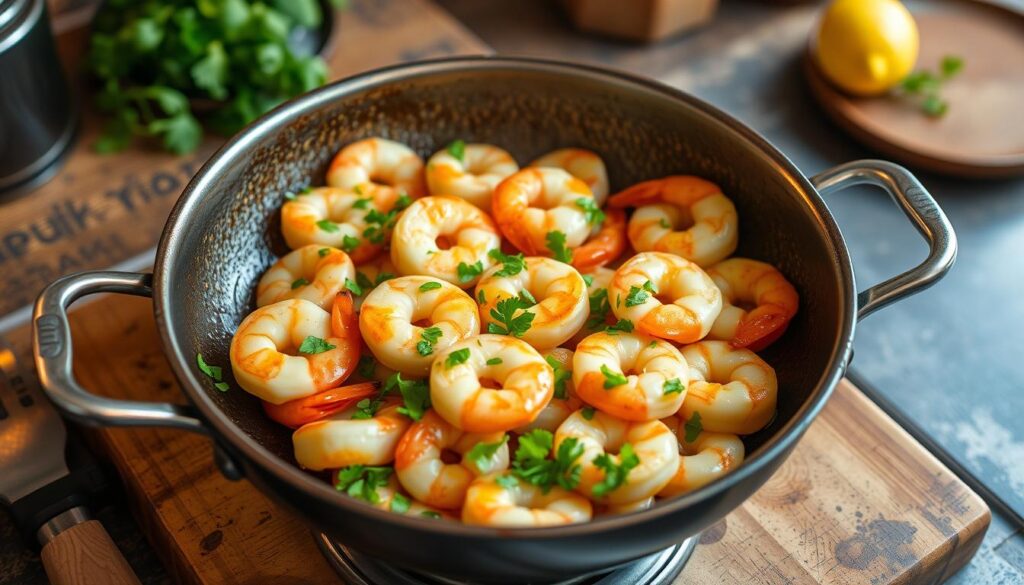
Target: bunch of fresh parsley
{"points": [[156, 59]]}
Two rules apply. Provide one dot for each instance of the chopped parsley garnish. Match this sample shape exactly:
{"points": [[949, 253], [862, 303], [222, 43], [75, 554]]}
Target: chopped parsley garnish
{"points": [[363, 203], [494, 361], [555, 241], [360, 481], [926, 86], [457, 357], [615, 473], [468, 272], [313, 345], [429, 286], [430, 514], [505, 313], [599, 308], [415, 395], [222, 386], [590, 209], [215, 372], [458, 149], [323, 252], [621, 326], [588, 412], [403, 201], [367, 367], [353, 287], [363, 280], [290, 196], [664, 223], [349, 243], [327, 226], [305, 190], [482, 454], [400, 504], [481, 297], [367, 408], [653, 344], [673, 386], [511, 265], [589, 280], [533, 466], [612, 378], [562, 376], [299, 282], [639, 295], [428, 337], [527, 297], [506, 481], [693, 428]]}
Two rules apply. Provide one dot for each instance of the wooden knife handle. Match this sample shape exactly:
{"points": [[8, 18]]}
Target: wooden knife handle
{"points": [[84, 554]]}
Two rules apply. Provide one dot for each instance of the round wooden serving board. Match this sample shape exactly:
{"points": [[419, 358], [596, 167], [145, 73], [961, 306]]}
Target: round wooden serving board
{"points": [[982, 133]]}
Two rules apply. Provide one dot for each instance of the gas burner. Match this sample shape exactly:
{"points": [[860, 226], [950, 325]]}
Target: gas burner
{"points": [[355, 568]]}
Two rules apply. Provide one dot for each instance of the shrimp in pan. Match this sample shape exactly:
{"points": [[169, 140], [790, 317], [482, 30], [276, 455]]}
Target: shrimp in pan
{"points": [[339, 218], [378, 165], [552, 292], [746, 282], [504, 501], [423, 473], [288, 350], [471, 176], [631, 376], [563, 400], [707, 458], [444, 237], [683, 215], [604, 246], [490, 383], [534, 204], [340, 441], [603, 436], [583, 164], [408, 321], [691, 304], [314, 273], [387, 500], [733, 390]]}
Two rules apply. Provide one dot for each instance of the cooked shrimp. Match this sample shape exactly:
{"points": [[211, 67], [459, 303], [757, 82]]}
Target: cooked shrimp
{"points": [[295, 413], [288, 350], [604, 246], [563, 400], [490, 383], [534, 203], [604, 435], [493, 500], [423, 473], [329, 216], [733, 390], [444, 237], [472, 176], [378, 164], [692, 301], [386, 500], [583, 164], [340, 441], [746, 282], [314, 273], [407, 321], [552, 291], [629, 375], [681, 214], [637, 506], [707, 458]]}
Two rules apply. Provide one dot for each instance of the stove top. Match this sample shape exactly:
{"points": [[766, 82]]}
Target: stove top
{"points": [[355, 568]]}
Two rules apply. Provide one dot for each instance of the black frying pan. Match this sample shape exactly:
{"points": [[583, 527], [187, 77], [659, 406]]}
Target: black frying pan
{"points": [[224, 232]]}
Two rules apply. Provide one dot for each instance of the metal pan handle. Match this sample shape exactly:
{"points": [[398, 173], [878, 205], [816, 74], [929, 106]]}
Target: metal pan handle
{"points": [[51, 344], [917, 204]]}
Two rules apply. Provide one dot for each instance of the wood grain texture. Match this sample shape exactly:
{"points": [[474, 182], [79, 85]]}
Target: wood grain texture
{"points": [[85, 555]]}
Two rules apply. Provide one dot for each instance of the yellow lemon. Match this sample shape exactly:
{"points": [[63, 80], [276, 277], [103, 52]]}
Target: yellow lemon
{"points": [[866, 46]]}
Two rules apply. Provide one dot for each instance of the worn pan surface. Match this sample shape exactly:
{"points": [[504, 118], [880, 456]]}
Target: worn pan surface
{"points": [[224, 233]]}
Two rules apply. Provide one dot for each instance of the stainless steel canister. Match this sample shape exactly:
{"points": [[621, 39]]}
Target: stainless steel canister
{"points": [[37, 111]]}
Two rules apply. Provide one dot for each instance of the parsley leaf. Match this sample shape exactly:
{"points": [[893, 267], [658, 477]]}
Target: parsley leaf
{"points": [[467, 272], [555, 241], [363, 203], [367, 408], [639, 295], [562, 376], [429, 286], [925, 86], [399, 504], [588, 279], [494, 361], [314, 345], [506, 481], [481, 297], [693, 428], [615, 474], [367, 367], [299, 282], [511, 264], [588, 412], [222, 386], [361, 481], [353, 287], [622, 325], [673, 386], [664, 223], [415, 395], [323, 252], [457, 357], [458, 149], [505, 313], [612, 378], [429, 337], [532, 465], [482, 454], [214, 372], [327, 226], [599, 307], [590, 209], [349, 243], [363, 280]]}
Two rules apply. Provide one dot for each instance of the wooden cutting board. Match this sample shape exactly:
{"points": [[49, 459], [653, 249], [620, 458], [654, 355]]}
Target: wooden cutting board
{"points": [[858, 502]]}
